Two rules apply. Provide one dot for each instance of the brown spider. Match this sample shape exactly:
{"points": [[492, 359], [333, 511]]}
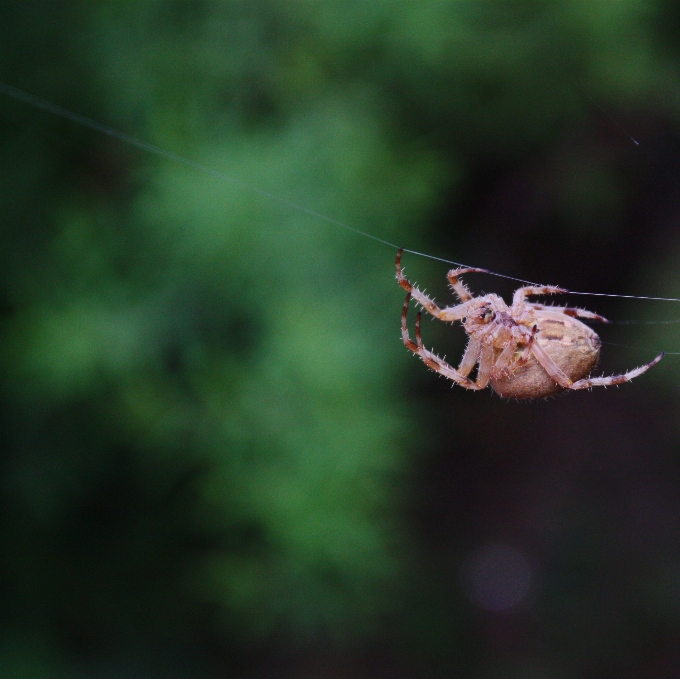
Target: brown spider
{"points": [[525, 351]]}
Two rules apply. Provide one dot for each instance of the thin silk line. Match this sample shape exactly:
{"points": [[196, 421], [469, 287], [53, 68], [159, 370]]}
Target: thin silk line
{"points": [[621, 128], [626, 346], [61, 112], [604, 294], [670, 322]]}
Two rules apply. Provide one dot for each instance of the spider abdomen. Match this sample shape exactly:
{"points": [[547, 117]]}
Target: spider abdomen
{"points": [[572, 345]]}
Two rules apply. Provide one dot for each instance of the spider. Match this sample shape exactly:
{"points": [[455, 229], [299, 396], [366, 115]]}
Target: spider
{"points": [[524, 351]]}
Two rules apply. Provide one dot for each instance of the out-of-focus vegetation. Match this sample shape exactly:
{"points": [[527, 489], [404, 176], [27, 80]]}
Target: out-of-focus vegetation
{"points": [[217, 457]]}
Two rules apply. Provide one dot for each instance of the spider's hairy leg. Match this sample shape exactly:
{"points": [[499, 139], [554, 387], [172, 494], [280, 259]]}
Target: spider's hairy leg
{"points": [[454, 313], [485, 365], [589, 382], [504, 359], [554, 371], [420, 297], [458, 286], [470, 357], [510, 341], [574, 312], [522, 293], [408, 342], [435, 363], [527, 349]]}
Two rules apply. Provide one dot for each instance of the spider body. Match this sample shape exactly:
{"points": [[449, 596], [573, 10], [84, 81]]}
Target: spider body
{"points": [[525, 351], [570, 344]]}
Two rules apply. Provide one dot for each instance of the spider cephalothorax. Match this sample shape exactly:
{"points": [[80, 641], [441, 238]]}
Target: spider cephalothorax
{"points": [[525, 350]]}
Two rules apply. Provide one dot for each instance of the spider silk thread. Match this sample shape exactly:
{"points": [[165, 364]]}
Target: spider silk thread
{"points": [[78, 119]]}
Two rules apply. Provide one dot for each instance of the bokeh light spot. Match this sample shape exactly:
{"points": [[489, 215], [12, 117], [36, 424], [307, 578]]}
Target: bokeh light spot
{"points": [[496, 577]]}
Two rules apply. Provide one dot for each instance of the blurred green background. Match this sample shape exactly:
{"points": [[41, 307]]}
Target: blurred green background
{"points": [[217, 458]]}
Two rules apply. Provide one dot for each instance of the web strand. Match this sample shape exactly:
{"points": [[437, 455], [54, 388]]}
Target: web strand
{"points": [[78, 119], [646, 350]]}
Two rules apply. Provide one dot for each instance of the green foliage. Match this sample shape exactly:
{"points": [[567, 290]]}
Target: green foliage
{"points": [[203, 398]]}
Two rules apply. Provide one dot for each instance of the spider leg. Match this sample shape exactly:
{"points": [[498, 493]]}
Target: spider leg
{"points": [[589, 382], [574, 312], [454, 313], [485, 366], [458, 286], [470, 357], [522, 293], [428, 304], [527, 349], [408, 342], [504, 360], [558, 375], [553, 370], [435, 363]]}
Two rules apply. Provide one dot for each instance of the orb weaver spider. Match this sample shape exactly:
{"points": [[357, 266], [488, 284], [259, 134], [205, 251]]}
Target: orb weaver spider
{"points": [[524, 351]]}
